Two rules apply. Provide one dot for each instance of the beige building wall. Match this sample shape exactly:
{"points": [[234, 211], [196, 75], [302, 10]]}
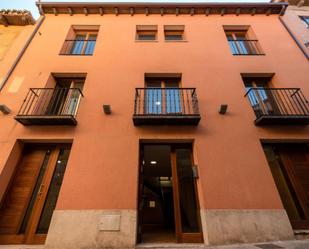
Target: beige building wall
{"points": [[12, 40], [292, 19]]}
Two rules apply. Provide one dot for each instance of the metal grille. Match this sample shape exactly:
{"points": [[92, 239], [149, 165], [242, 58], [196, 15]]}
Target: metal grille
{"points": [[166, 102], [245, 47], [278, 102], [78, 47], [51, 102]]}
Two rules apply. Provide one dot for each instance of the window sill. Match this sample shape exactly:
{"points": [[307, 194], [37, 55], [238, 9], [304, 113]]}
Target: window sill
{"points": [[76, 54], [176, 40], [146, 41], [248, 54]]}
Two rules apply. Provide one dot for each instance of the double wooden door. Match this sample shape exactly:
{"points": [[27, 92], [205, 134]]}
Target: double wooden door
{"points": [[295, 160], [30, 199], [170, 166]]}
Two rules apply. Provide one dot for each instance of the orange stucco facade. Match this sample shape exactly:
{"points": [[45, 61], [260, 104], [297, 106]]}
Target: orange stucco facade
{"points": [[102, 171]]}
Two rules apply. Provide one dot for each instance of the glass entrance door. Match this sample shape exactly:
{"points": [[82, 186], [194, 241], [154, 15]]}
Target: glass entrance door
{"points": [[168, 203]]}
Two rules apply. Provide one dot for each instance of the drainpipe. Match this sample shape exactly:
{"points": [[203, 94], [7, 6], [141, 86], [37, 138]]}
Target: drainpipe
{"points": [[21, 53], [294, 38]]}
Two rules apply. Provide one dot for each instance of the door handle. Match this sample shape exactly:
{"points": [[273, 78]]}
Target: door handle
{"points": [[40, 190]]}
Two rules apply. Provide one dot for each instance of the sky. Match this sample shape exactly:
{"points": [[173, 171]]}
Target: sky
{"points": [[30, 4]]}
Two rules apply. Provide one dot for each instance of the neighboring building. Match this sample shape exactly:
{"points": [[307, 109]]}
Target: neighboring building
{"points": [[155, 122], [296, 20], [15, 29]]}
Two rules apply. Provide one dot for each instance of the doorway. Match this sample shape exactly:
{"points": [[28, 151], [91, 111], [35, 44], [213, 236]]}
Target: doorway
{"points": [[289, 165], [168, 202], [27, 207]]}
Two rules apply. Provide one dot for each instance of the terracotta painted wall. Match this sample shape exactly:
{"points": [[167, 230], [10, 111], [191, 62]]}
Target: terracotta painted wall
{"points": [[102, 168]]}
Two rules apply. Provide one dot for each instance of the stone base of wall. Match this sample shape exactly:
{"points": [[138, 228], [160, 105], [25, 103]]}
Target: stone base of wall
{"points": [[301, 234], [91, 229], [245, 226]]}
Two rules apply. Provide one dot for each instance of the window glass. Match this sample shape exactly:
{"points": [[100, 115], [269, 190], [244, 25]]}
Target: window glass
{"points": [[146, 35], [82, 44], [306, 20], [173, 35], [241, 44], [146, 32]]}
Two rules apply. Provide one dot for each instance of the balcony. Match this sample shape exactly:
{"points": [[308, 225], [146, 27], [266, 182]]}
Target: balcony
{"points": [[50, 106], [166, 106], [279, 106], [245, 47], [78, 47]]}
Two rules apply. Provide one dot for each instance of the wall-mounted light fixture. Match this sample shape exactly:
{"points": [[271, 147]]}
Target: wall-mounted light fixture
{"points": [[223, 109], [4, 109], [195, 171], [107, 109]]}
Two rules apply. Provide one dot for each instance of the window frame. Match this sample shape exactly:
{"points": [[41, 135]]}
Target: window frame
{"points": [[174, 31], [80, 41], [240, 42], [305, 19], [150, 30]]}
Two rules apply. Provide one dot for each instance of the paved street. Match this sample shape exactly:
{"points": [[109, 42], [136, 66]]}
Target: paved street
{"points": [[293, 244]]}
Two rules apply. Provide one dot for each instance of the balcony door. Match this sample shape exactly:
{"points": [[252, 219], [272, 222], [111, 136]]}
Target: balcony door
{"points": [[262, 99], [162, 96], [27, 207], [168, 201], [65, 97]]}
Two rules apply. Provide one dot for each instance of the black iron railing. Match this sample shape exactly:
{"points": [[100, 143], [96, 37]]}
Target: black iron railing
{"points": [[166, 102], [245, 47], [78, 47], [278, 102], [41, 102]]}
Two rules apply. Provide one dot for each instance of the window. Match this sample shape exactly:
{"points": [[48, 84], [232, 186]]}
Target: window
{"points": [[241, 42], [163, 95], [305, 19], [84, 43], [174, 32], [146, 32], [81, 40]]}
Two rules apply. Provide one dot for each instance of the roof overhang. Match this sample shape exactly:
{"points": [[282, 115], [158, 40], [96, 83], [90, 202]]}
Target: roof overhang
{"points": [[166, 8], [16, 17], [299, 3]]}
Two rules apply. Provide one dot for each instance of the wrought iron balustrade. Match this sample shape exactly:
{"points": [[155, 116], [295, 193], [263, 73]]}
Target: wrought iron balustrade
{"points": [[279, 105], [245, 47], [50, 106], [78, 47], [166, 106]]}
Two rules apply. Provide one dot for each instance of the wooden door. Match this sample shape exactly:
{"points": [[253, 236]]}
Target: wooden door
{"points": [[28, 205], [296, 162], [187, 211]]}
